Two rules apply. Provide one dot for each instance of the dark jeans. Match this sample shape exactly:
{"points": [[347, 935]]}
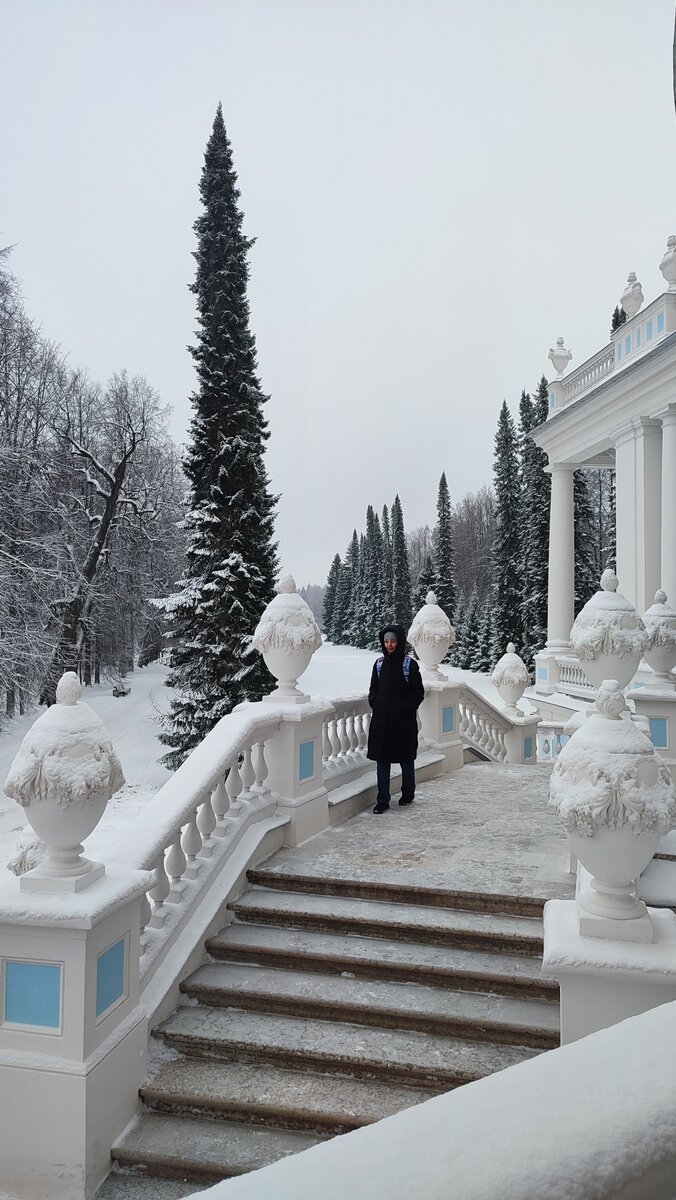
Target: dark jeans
{"points": [[407, 781]]}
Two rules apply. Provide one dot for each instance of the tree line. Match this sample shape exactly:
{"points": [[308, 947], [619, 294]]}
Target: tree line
{"points": [[91, 493], [486, 558]]}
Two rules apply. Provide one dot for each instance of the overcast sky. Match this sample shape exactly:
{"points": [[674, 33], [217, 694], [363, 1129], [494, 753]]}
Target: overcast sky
{"points": [[438, 189]]}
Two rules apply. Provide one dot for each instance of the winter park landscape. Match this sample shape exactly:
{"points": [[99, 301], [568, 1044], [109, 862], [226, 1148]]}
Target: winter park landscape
{"points": [[338, 601]]}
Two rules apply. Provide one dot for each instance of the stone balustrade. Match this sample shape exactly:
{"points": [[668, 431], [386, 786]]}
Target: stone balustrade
{"points": [[344, 737], [572, 678], [587, 375]]}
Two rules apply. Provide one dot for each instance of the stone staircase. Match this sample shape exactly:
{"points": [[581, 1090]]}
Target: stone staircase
{"points": [[325, 1005]]}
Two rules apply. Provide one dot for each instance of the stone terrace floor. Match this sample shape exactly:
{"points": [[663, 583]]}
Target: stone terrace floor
{"points": [[484, 828]]}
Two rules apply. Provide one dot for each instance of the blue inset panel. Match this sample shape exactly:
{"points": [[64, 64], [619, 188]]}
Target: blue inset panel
{"points": [[448, 718], [543, 673], [110, 976], [33, 994], [528, 747], [638, 338], [306, 760], [660, 322], [649, 331], [627, 345], [659, 732]]}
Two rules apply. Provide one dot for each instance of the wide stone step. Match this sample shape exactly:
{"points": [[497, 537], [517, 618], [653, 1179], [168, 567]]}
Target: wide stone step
{"points": [[128, 1184], [404, 1057], [366, 889], [400, 922], [521, 1021], [260, 1093], [187, 1148], [370, 958]]}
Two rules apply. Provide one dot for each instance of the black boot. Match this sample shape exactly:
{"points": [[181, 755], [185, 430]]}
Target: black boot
{"points": [[405, 800], [382, 806]]}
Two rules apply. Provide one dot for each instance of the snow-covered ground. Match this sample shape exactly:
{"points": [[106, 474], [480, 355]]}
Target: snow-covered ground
{"points": [[134, 723]]}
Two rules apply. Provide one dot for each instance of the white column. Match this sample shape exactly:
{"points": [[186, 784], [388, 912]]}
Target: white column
{"points": [[668, 568], [638, 479], [561, 581]]}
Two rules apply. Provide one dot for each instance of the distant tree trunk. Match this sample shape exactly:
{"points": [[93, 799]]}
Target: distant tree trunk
{"points": [[87, 658], [11, 700]]}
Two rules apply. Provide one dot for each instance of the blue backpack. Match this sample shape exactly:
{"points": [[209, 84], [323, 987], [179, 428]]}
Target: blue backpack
{"points": [[406, 665]]}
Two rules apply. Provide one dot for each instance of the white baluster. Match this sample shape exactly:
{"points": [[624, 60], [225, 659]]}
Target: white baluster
{"points": [[158, 893], [260, 769], [248, 776], [176, 863], [220, 804], [326, 743], [233, 786], [362, 725], [145, 918], [344, 739], [206, 823], [335, 741], [191, 844]]}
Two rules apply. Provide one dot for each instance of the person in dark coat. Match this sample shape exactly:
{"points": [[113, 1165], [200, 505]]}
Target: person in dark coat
{"points": [[395, 694]]}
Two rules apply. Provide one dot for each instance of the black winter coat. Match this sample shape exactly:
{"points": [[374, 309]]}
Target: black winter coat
{"points": [[393, 732]]}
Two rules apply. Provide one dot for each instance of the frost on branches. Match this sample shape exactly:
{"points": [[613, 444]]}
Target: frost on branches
{"points": [[232, 562]]}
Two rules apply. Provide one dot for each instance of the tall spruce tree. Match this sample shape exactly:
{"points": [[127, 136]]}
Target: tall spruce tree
{"points": [[330, 597], [444, 557], [232, 559], [610, 533], [387, 564], [401, 575], [426, 582], [343, 607], [506, 600], [535, 500], [468, 631], [586, 573], [618, 318]]}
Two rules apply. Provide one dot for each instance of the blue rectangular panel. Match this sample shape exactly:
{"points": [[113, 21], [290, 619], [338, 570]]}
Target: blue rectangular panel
{"points": [[659, 732], [448, 719], [33, 994], [110, 976], [543, 673], [528, 747], [306, 760], [660, 322], [627, 345], [638, 338], [649, 331]]}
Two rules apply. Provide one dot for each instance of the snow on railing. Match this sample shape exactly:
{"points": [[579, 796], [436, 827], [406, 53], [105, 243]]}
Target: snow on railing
{"points": [[482, 726], [193, 823], [588, 374], [344, 737]]}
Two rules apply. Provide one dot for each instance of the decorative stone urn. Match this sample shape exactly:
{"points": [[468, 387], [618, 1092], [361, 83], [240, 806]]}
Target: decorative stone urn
{"points": [[511, 678], [559, 357], [287, 636], [431, 635], [608, 635], [668, 263], [660, 623], [632, 296], [63, 776], [616, 800]]}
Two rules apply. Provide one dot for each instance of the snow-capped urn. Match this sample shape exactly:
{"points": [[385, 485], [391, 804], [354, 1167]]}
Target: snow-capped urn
{"points": [[608, 635], [668, 263], [660, 623], [64, 774], [632, 296], [559, 357], [287, 636], [511, 678], [616, 800], [431, 634]]}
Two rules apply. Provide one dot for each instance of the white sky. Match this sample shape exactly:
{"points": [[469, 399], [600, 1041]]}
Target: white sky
{"points": [[438, 188]]}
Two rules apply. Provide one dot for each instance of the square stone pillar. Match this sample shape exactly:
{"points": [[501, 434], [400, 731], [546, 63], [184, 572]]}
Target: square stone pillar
{"points": [[603, 981], [659, 708], [638, 477], [295, 769], [440, 720], [521, 741], [73, 1037]]}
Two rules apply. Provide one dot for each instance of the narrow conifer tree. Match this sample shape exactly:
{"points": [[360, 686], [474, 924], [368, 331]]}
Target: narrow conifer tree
{"points": [[586, 574], [444, 558], [330, 597], [610, 533], [618, 318], [426, 582], [535, 499], [232, 559], [468, 632], [401, 575], [342, 610], [387, 564], [506, 605]]}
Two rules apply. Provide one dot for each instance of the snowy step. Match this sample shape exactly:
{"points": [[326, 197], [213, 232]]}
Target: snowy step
{"points": [[398, 893], [187, 1148], [406, 1057], [371, 958], [403, 922], [260, 1093], [125, 1184], [520, 1020]]}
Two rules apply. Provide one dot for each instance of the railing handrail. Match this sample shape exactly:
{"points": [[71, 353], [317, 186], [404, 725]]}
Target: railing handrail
{"points": [[173, 805], [596, 367]]}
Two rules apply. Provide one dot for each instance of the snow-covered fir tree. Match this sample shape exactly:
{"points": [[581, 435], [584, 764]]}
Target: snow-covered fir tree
{"points": [[387, 562], [610, 532], [468, 630], [401, 576], [535, 499], [484, 655], [444, 557], [618, 318], [342, 611], [507, 592], [586, 566], [425, 582], [232, 559], [330, 597], [359, 624]]}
